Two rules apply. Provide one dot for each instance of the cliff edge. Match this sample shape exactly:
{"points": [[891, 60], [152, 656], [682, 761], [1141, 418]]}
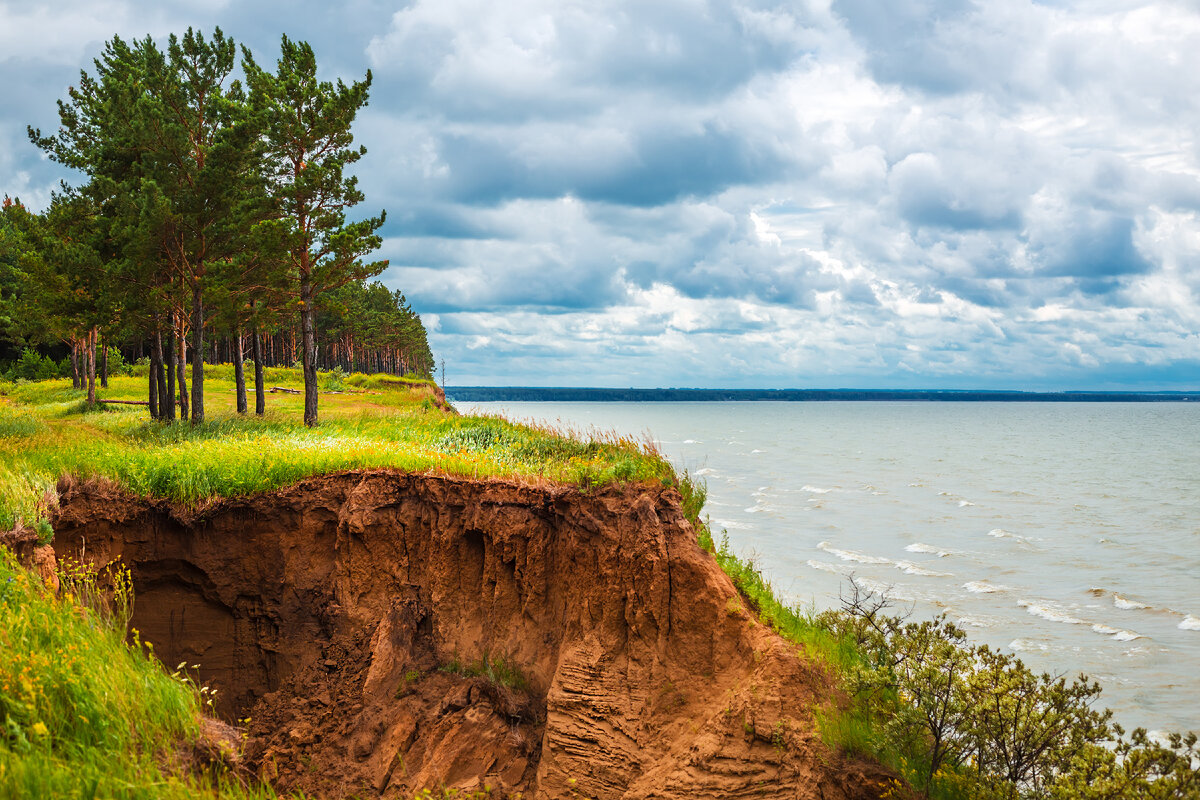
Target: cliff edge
{"points": [[376, 633]]}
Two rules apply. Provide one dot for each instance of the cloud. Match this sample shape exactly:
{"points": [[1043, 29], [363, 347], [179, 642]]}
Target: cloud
{"points": [[742, 192]]}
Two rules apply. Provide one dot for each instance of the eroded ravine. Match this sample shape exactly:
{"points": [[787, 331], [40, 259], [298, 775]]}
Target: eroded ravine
{"points": [[327, 612]]}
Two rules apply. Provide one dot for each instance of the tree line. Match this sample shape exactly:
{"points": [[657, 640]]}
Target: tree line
{"points": [[212, 206]]}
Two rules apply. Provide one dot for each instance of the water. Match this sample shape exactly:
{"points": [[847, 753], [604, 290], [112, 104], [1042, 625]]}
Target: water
{"points": [[1068, 533]]}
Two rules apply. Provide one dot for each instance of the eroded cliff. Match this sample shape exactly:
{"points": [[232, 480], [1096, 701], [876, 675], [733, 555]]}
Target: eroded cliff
{"points": [[327, 614]]}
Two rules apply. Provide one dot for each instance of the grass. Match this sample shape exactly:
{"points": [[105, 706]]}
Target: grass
{"points": [[83, 713], [47, 430], [496, 669]]}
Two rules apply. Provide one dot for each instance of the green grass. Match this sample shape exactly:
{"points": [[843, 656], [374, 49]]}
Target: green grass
{"points": [[494, 668], [83, 713], [47, 431]]}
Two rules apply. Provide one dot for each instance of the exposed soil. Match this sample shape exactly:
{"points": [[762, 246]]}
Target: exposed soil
{"points": [[328, 612]]}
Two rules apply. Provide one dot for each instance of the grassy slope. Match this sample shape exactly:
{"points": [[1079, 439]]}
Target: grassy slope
{"points": [[46, 431]]}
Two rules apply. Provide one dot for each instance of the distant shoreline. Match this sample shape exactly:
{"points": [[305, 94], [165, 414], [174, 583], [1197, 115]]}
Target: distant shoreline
{"points": [[488, 394]]}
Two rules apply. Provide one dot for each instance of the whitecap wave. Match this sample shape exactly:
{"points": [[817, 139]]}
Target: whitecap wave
{"points": [[973, 622], [917, 569], [862, 558], [1127, 605], [1116, 633], [814, 489], [1049, 612], [1026, 645], [732, 524], [752, 452], [691, 441], [1190, 623], [824, 566], [982, 587], [920, 547], [964, 503], [853, 555], [706, 471]]}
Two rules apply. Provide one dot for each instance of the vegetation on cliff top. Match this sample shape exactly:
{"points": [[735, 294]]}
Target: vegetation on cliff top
{"points": [[48, 430], [954, 720]]}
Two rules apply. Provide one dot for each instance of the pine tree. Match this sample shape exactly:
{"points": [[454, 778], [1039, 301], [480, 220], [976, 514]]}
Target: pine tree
{"points": [[308, 144]]}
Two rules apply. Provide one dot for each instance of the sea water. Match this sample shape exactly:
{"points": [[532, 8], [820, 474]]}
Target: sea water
{"points": [[1068, 533]]}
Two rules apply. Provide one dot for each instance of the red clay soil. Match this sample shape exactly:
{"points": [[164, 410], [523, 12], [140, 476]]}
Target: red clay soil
{"points": [[328, 612]]}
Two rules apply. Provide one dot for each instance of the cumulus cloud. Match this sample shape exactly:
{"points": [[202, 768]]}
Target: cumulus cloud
{"points": [[746, 192]]}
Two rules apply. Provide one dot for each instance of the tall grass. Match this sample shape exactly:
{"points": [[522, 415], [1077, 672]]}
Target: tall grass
{"points": [[394, 426], [83, 714]]}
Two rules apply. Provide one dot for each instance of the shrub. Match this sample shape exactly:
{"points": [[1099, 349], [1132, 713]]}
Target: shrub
{"points": [[32, 366]]}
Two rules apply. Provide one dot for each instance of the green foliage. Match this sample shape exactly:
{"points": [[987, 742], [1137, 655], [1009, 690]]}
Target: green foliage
{"points": [[493, 667], [334, 380], [970, 721], [54, 434], [32, 366], [84, 712]]}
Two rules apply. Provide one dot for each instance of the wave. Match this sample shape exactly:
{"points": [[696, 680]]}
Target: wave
{"points": [[853, 555], [916, 569], [1050, 613], [691, 441], [964, 503], [824, 566], [1190, 623], [1000, 533], [862, 558], [1116, 633], [732, 524], [1123, 603], [918, 547], [982, 587], [1127, 605], [752, 452], [706, 471], [1026, 645], [814, 489]]}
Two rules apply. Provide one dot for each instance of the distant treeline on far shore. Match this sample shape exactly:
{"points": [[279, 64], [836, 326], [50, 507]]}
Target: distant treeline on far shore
{"points": [[568, 394]]}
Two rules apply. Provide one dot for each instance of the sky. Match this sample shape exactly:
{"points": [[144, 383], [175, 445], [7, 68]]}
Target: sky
{"points": [[817, 193]]}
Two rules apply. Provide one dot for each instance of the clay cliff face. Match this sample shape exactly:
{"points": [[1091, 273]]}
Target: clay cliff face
{"points": [[328, 614]]}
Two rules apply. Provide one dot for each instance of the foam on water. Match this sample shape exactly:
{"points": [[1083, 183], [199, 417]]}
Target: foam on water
{"points": [[919, 547], [824, 566], [917, 569], [1116, 633], [853, 555], [982, 587], [706, 471], [862, 558], [1049, 612], [964, 503], [1190, 623], [814, 489], [1027, 645], [1127, 605]]}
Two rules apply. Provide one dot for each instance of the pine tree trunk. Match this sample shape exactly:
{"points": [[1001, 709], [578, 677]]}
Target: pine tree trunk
{"points": [[239, 371], [309, 336], [91, 366], [260, 401], [181, 367], [103, 363], [197, 355], [171, 368], [152, 374], [159, 370], [75, 382]]}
